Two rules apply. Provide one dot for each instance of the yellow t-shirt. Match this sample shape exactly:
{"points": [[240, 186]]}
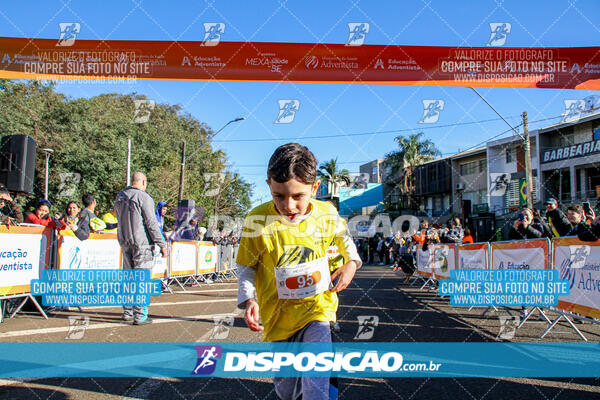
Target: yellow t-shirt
{"points": [[271, 241]]}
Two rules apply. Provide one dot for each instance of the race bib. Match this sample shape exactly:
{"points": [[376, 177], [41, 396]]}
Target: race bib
{"points": [[303, 280]]}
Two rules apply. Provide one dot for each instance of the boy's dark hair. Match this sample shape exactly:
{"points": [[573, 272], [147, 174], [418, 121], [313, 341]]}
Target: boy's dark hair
{"points": [[576, 208], [87, 199], [293, 161]]}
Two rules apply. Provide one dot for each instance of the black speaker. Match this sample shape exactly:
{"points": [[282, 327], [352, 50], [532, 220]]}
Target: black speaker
{"points": [[17, 162]]}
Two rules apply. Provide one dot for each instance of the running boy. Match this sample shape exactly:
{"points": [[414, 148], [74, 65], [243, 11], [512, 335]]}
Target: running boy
{"points": [[283, 263]]}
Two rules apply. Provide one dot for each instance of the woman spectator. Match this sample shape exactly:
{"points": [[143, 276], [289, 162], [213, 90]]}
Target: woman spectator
{"points": [[74, 222], [41, 216], [522, 227]]}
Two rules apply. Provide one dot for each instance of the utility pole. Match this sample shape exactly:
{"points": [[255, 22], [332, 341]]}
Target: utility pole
{"points": [[182, 171], [528, 172]]}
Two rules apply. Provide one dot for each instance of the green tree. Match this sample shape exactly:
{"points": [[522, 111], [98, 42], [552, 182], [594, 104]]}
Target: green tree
{"points": [[412, 151], [331, 175], [89, 138]]}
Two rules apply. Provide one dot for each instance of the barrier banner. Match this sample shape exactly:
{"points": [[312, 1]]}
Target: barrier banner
{"points": [[521, 254], [424, 261], [159, 264], [99, 251], [579, 263], [207, 258], [24, 251], [558, 67], [444, 260], [473, 256], [182, 258]]}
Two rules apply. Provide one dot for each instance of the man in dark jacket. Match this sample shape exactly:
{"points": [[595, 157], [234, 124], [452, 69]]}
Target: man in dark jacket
{"points": [[522, 228], [576, 217], [138, 233], [557, 220]]}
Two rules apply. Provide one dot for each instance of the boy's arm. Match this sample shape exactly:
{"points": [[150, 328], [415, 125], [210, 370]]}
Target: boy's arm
{"points": [[246, 287], [247, 296], [347, 249]]}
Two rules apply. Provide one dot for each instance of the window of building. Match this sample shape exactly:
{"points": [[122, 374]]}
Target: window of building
{"points": [[510, 155], [374, 171], [468, 168], [482, 166]]}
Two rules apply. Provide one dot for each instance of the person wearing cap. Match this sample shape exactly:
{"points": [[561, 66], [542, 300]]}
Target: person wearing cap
{"points": [[557, 220], [111, 222], [41, 216], [10, 210]]}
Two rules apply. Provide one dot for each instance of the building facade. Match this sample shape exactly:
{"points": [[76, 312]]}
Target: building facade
{"points": [[570, 160]]}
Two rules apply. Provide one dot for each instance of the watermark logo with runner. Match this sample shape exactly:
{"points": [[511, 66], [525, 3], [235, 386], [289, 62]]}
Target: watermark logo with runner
{"points": [[500, 31], [68, 33], [366, 327], [68, 183], [77, 326], [287, 111], [508, 326], [207, 359], [358, 33], [431, 111], [143, 110], [212, 33], [222, 327]]}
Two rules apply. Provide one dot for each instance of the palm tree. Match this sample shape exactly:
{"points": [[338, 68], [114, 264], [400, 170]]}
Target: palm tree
{"points": [[413, 151], [329, 173]]}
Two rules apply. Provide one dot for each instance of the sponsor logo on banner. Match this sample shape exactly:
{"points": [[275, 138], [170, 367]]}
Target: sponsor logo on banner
{"points": [[577, 258], [358, 33], [89, 254], [526, 258], [580, 265], [366, 327], [499, 33], [208, 256], [212, 33], [207, 359], [311, 62], [268, 60], [508, 326], [143, 110], [287, 111], [472, 259], [498, 183], [431, 111], [68, 33]]}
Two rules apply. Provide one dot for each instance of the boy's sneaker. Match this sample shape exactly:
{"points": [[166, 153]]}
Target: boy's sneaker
{"points": [[127, 318], [145, 321]]}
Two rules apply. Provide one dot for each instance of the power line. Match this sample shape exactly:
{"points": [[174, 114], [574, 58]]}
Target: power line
{"points": [[363, 133]]}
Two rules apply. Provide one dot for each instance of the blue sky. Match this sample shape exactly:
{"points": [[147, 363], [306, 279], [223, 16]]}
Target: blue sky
{"points": [[326, 109]]}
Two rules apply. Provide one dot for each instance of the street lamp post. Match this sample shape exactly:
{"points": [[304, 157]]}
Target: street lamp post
{"points": [[183, 157], [48, 152]]}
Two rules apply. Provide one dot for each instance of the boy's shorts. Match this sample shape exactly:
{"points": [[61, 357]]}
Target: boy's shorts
{"points": [[307, 387]]}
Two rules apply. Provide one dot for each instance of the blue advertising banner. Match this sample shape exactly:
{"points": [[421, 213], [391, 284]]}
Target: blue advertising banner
{"points": [[295, 359]]}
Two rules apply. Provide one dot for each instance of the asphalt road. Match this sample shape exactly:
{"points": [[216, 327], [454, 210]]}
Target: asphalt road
{"points": [[406, 314]]}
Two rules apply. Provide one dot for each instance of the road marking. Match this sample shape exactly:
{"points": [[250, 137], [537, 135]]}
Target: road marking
{"points": [[106, 325], [203, 291]]}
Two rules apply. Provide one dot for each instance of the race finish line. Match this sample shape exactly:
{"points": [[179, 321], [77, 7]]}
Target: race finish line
{"points": [[307, 359], [564, 67]]}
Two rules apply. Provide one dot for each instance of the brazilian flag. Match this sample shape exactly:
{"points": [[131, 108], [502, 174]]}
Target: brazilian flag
{"points": [[523, 191]]}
